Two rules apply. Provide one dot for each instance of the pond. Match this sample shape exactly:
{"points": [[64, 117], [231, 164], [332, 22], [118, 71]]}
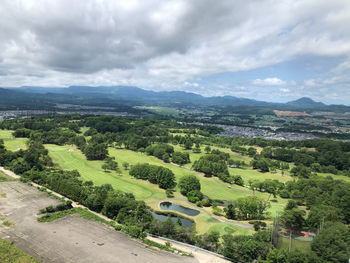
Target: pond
{"points": [[185, 222], [179, 208]]}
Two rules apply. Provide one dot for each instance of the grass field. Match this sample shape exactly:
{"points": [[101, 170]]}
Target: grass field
{"points": [[160, 110], [10, 254], [303, 246], [5, 178], [70, 158], [91, 170], [12, 143], [336, 177], [206, 224], [251, 174]]}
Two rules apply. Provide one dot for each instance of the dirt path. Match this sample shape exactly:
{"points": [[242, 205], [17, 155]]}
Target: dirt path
{"points": [[204, 211]]}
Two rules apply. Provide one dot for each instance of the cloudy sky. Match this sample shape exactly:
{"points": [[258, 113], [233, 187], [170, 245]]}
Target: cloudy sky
{"points": [[274, 50]]}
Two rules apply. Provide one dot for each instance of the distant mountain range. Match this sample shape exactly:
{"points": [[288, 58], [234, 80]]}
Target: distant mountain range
{"points": [[128, 95]]}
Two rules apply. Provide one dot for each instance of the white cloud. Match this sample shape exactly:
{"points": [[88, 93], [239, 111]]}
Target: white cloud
{"points": [[285, 90], [164, 44], [269, 82]]}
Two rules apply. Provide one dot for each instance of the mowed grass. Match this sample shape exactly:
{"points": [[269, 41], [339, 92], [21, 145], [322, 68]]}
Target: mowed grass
{"points": [[160, 110], [10, 254], [12, 143], [336, 176], [249, 174], [208, 187], [206, 224], [303, 246], [70, 158]]}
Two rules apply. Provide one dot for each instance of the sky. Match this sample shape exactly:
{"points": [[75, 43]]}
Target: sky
{"points": [[271, 50]]}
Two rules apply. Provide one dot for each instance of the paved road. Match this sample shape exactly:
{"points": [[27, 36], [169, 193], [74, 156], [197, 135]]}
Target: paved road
{"points": [[71, 239]]}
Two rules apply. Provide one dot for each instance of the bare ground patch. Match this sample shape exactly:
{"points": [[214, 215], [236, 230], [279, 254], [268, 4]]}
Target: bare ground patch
{"points": [[70, 239]]}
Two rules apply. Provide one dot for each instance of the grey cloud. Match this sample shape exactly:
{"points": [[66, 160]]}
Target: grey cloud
{"points": [[161, 44]]}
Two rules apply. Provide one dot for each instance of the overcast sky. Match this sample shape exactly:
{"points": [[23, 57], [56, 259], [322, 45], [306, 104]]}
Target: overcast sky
{"points": [[274, 50]]}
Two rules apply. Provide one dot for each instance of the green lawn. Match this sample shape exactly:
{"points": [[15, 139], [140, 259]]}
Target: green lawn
{"points": [[10, 254], [91, 170], [251, 174], [303, 246], [336, 177], [70, 158], [12, 143], [205, 224], [160, 110], [210, 188]]}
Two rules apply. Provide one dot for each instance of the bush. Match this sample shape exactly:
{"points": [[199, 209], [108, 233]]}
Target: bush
{"points": [[134, 231], [257, 224], [194, 196], [217, 211], [206, 202], [284, 194], [50, 209], [169, 193], [189, 183]]}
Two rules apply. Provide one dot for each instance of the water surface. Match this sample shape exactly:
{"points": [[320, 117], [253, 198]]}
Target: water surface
{"points": [[179, 208]]}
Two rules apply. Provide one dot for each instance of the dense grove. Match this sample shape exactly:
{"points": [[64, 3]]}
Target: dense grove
{"points": [[327, 200], [160, 175]]}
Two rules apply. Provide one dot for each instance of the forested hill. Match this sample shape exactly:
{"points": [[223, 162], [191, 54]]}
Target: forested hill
{"points": [[128, 95]]}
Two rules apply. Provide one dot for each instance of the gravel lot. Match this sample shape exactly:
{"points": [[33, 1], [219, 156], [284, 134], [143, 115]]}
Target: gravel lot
{"points": [[70, 239]]}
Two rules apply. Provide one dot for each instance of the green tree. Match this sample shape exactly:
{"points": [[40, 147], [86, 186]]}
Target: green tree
{"points": [[251, 207], [251, 151], [194, 196], [189, 183], [207, 149], [325, 213], [165, 178], [94, 151], [332, 244], [230, 212], [126, 165], [293, 219]]}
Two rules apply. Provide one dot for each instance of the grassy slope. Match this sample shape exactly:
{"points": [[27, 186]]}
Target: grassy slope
{"points": [[12, 143], [206, 224], [303, 246], [212, 187], [10, 254], [5, 178], [336, 177], [91, 170], [247, 174]]}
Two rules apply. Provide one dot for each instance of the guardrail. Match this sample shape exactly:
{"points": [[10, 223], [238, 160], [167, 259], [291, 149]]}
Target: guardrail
{"points": [[194, 247]]}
